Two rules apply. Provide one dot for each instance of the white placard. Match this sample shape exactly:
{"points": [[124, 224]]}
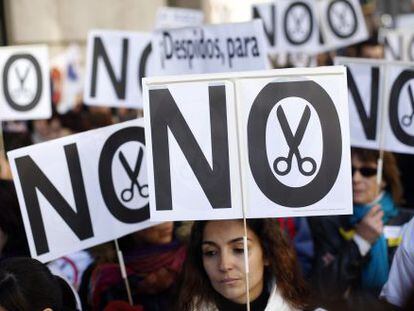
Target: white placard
{"points": [[25, 83], [399, 108], [289, 26], [398, 44], [365, 100], [82, 190], [115, 63], [168, 17], [208, 49], [381, 96], [342, 23], [196, 154], [298, 26]]}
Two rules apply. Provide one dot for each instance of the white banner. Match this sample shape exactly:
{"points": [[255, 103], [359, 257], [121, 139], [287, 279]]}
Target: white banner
{"points": [[115, 63], [342, 23], [196, 154], [381, 96], [208, 49], [168, 17], [296, 25], [82, 190], [25, 83], [398, 44]]}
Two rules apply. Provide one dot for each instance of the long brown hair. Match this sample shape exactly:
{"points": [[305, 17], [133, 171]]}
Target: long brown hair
{"points": [[195, 288], [391, 173]]}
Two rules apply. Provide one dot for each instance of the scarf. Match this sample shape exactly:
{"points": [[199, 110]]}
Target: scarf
{"points": [[375, 271], [150, 270]]}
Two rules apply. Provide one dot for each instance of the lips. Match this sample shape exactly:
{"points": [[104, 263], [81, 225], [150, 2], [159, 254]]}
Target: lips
{"points": [[229, 281]]}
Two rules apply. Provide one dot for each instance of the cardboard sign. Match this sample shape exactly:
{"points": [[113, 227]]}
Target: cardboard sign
{"points": [[381, 96], [298, 25], [25, 83], [208, 49], [342, 23], [115, 63], [398, 44], [82, 190], [168, 17], [284, 132], [289, 26]]}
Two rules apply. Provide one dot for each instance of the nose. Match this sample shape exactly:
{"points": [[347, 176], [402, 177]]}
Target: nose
{"points": [[356, 176], [225, 263]]}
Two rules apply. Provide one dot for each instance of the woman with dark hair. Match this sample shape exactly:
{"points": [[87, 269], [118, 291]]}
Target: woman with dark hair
{"points": [[28, 285], [214, 273], [353, 254]]}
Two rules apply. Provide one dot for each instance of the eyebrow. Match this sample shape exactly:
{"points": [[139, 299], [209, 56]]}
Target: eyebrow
{"points": [[236, 240]]}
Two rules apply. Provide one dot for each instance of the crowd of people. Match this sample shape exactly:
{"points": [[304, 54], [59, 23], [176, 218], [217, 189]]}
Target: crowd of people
{"points": [[363, 261]]}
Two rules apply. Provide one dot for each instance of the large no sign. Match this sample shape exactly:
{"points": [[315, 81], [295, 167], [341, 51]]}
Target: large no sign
{"points": [[275, 142]]}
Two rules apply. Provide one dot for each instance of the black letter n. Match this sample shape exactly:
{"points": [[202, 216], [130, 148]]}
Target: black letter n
{"points": [[99, 51], [33, 179], [165, 115]]}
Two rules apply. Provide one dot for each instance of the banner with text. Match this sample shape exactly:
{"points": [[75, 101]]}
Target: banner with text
{"points": [[205, 132], [381, 96], [82, 190]]}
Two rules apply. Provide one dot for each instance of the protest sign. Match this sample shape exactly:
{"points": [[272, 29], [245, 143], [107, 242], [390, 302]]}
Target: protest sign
{"points": [[25, 83], [204, 132], [115, 63], [208, 49], [381, 100], [398, 44], [82, 190], [168, 17], [289, 26], [342, 23], [311, 26]]}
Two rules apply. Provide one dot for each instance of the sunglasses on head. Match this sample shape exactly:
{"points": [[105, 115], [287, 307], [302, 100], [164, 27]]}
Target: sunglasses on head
{"points": [[365, 171]]}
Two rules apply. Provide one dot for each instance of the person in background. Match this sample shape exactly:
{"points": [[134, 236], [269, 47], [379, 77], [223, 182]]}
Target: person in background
{"points": [[27, 285], [153, 259], [353, 253], [13, 240], [400, 285], [214, 271]]}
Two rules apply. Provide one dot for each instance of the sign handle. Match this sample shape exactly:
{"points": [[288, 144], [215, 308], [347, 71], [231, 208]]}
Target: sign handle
{"points": [[246, 262], [3, 158], [123, 272]]}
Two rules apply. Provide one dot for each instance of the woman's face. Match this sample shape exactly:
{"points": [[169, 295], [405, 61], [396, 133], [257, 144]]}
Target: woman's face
{"points": [[223, 260], [364, 181]]}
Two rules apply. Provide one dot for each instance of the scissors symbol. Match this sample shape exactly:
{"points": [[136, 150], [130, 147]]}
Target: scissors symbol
{"points": [[293, 143], [407, 120], [128, 193]]}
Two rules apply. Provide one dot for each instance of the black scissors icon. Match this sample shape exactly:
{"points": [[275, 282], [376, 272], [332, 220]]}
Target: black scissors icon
{"points": [[293, 142], [128, 193], [407, 120]]}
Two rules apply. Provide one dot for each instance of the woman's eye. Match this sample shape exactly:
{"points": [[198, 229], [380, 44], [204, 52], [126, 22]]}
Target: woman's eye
{"points": [[209, 253], [238, 250]]}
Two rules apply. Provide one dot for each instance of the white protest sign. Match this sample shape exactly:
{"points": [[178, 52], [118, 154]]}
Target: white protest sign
{"points": [[365, 95], [168, 17], [300, 31], [115, 63], [210, 48], [82, 190], [381, 96], [398, 44], [197, 151], [25, 83], [399, 128], [289, 26], [342, 23]]}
